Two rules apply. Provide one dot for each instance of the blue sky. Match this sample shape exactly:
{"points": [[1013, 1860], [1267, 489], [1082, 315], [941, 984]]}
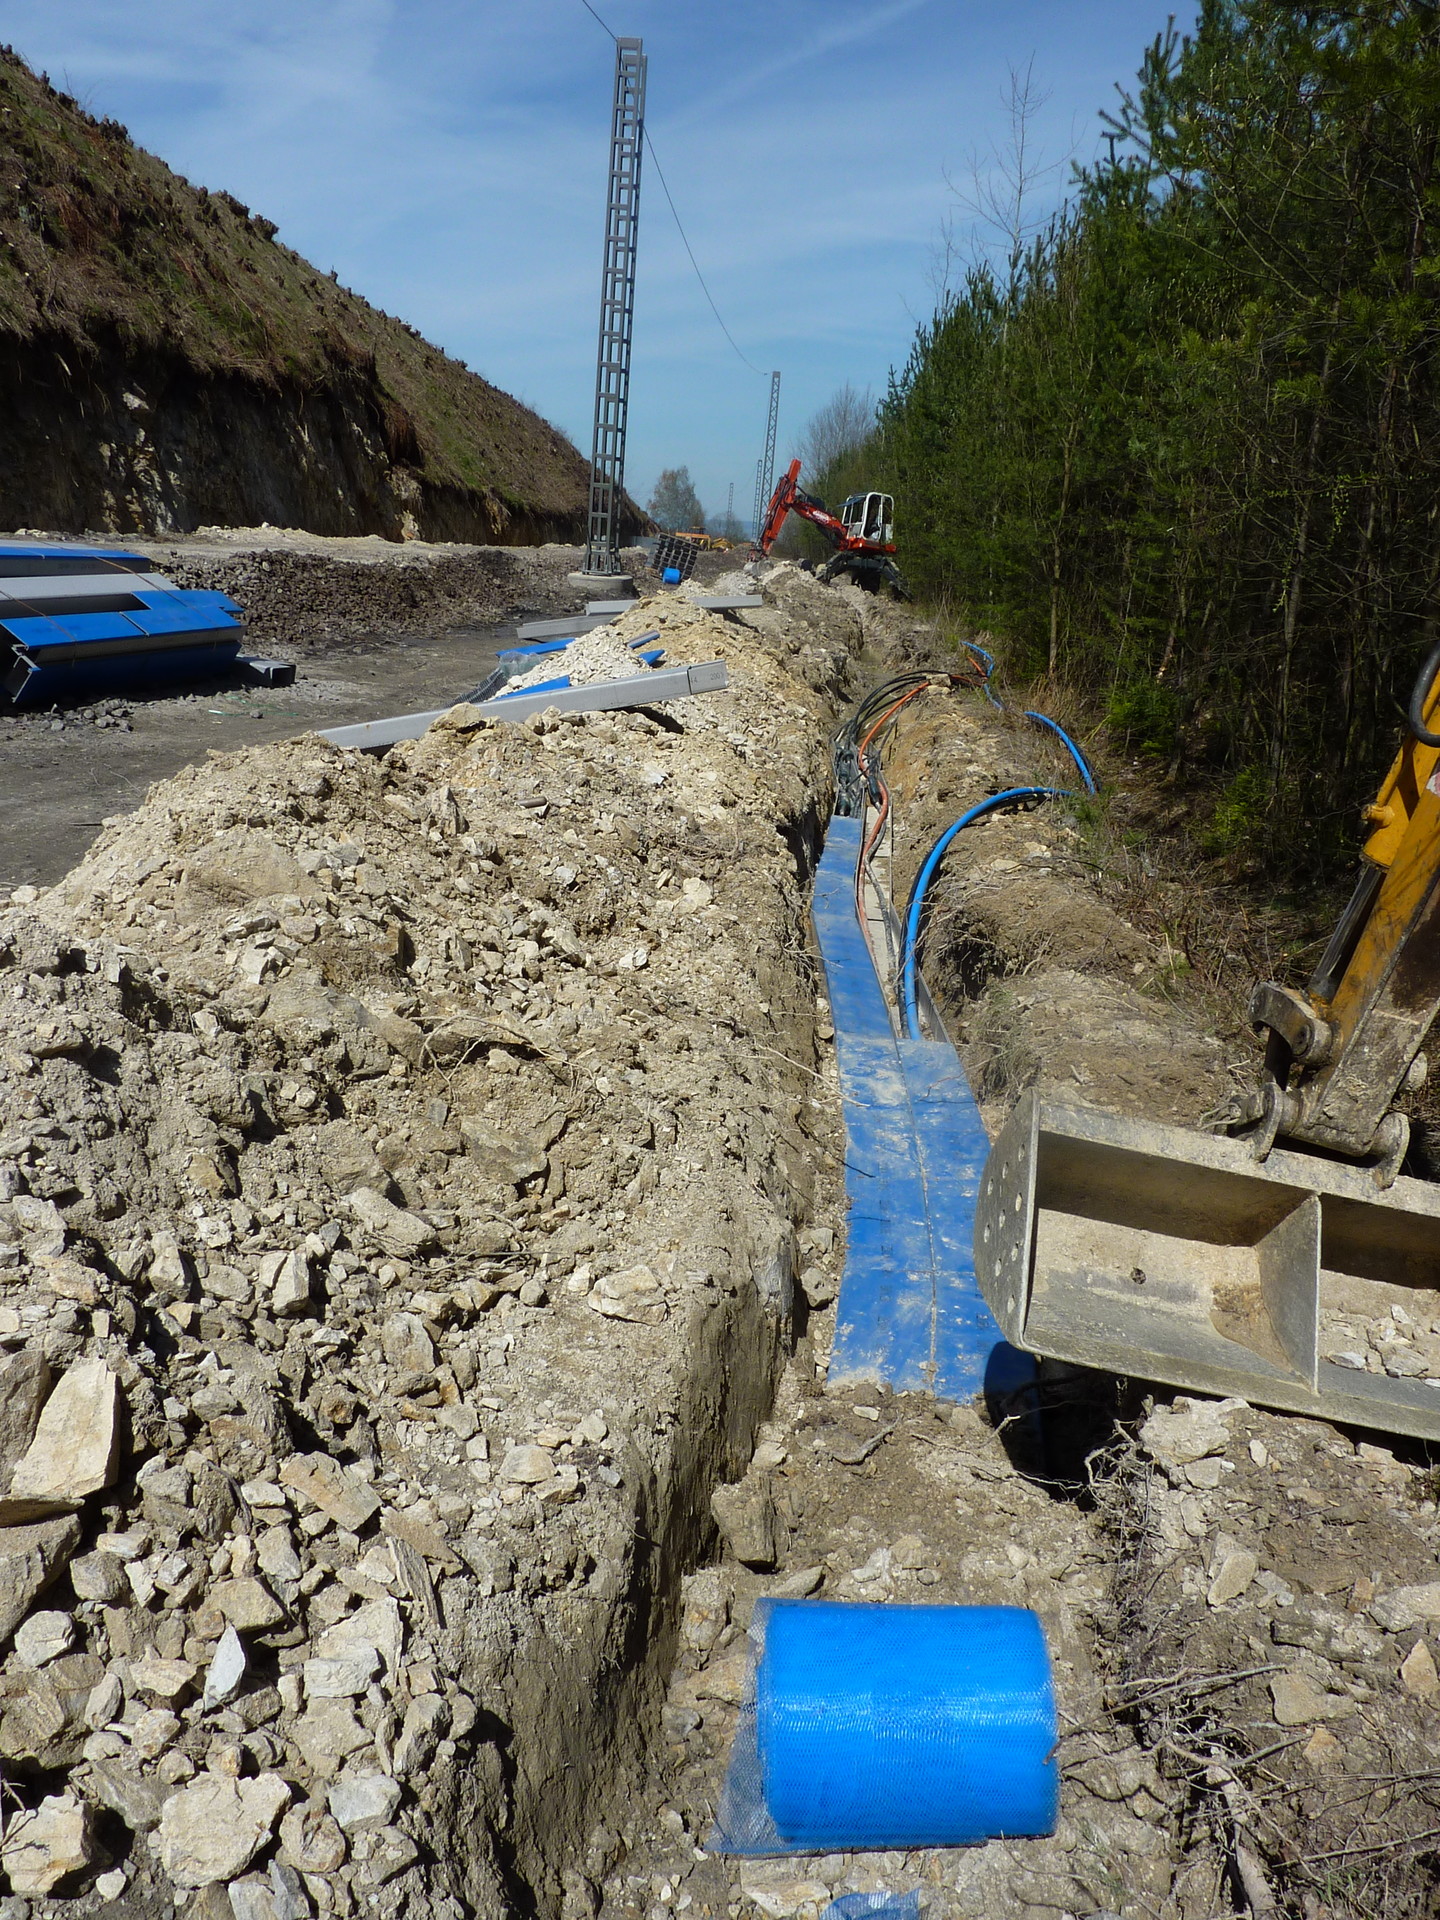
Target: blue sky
{"points": [[447, 158]]}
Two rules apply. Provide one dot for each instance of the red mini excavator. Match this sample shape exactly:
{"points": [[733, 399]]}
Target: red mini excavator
{"points": [[862, 535]]}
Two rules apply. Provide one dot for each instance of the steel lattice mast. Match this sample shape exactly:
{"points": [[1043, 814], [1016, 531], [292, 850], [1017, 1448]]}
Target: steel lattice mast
{"points": [[617, 312], [765, 472]]}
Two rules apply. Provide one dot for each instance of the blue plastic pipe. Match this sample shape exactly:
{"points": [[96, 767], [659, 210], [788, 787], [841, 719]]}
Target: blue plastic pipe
{"points": [[909, 1006], [1044, 720], [904, 1726]]}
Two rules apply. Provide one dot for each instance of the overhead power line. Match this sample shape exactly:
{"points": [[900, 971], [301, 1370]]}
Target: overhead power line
{"points": [[679, 224]]}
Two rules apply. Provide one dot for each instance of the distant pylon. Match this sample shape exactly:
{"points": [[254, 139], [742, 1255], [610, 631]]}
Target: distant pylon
{"points": [[765, 472], [730, 510], [617, 311]]}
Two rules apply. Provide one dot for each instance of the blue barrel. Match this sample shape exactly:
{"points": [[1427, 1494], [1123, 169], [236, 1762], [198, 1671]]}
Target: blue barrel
{"points": [[898, 1727], [671, 576]]}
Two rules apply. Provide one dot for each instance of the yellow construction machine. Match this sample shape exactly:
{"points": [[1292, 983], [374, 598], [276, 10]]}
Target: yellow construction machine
{"points": [[1285, 1258]]}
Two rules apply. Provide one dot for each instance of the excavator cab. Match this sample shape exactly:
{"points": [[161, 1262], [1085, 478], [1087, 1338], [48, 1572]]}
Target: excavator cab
{"points": [[870, 516]]}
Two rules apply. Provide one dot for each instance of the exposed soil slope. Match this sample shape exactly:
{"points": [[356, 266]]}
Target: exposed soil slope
{"points": [[167, 363]]}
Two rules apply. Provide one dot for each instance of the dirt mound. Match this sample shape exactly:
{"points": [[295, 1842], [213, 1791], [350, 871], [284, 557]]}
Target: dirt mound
{"points": [[401, 1177], [1039, 977], [167, 362]]}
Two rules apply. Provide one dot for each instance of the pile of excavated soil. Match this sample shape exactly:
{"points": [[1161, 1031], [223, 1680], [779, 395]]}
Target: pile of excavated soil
{"points": [[402, 1167], [1039, 978], [1266, 1643], [302, 589]]}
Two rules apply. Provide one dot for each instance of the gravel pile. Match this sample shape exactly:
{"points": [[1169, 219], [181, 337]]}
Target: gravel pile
{"points": [[399, 1186]]}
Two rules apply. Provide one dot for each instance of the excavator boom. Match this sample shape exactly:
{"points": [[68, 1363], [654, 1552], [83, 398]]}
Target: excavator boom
{"points": [[1216, 1263]]}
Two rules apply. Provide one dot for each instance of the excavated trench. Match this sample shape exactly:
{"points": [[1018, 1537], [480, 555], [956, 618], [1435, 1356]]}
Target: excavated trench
{"points": [[405, 1169], [421, 1190]]}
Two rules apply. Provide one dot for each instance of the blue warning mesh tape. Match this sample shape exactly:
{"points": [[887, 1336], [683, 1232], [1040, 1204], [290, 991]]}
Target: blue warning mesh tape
{"points": [[874, 1906], [890, 1727]]}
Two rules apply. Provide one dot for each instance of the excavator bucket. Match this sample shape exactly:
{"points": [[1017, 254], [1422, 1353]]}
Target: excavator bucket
{"points": [[1172, 1256]]}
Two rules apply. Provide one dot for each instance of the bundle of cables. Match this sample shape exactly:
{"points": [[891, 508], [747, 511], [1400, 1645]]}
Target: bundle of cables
{"points": [[859, 778]]}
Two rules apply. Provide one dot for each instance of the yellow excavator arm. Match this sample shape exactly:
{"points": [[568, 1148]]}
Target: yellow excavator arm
{"points": [[1235, 1266], [1338, 1055]]}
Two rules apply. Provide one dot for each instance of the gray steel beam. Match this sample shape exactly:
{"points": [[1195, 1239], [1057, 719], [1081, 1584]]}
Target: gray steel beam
{"points": [[599, 696], [617, 312]]}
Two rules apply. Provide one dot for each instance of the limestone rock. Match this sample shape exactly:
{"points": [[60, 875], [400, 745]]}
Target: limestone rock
{"points": [[326, 1485], [427, 1721], [212, 1829], [226, 1672], [327, 1733], [1417, 1672], [376, 1624], [745, 1515], [777, 1889], [508, 1158], [310, 1840], [30, 1558], [406, 1345], [398, 1232], [100, 1576], [1233, 1576], [167, 1680], [633, 1295], [24, 1383], [44, 1847], [246, 1603], [363, 1799], [75, 1451], [1190, 1430], [350, 1161], [1300, 1703], [44, 1637], [527, 1466], [705, 1611], [343, 1674], [137, 1801], [1406, 1607], [287, 1276]]}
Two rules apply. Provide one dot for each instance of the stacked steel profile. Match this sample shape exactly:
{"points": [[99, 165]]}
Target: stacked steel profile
{"points": [[81, 620]]}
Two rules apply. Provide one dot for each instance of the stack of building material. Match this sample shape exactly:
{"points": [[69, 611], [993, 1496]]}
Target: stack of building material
{"points": [[80, 620]]}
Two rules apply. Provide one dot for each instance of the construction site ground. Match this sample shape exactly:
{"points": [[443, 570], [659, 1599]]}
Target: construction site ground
{"points": [[372, 627], [421, 1192]]}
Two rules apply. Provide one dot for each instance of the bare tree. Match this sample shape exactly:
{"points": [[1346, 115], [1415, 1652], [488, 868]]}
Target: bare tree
{"points": [[998, 191], [841, 426]]}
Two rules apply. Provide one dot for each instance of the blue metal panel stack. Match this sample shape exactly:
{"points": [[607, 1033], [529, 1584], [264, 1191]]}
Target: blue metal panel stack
{"points": [[77, 620]]}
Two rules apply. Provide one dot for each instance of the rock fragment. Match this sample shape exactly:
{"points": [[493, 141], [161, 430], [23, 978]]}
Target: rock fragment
{"points": [[287, 1276], [75, 1451], [1300, 1703], [1233, 1576], [1418, 1674], [24, 1384], [398, 1232], [633, 1295], [527, 1466], [363, 1799], [246, 1603], [44, 1847], [30, 1558], [211, 1830], [310, 1840], [745, 1515], [326, 1485], [44, 1637], [1189, 1430]]}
